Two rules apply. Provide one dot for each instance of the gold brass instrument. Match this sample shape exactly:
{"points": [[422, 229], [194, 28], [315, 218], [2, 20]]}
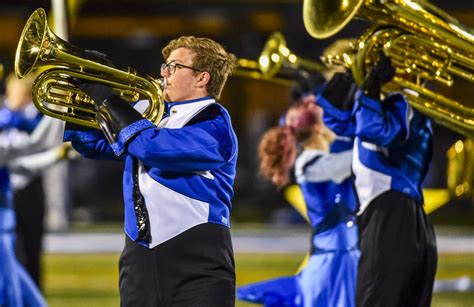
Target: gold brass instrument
{"points": [[251, 69], [427, 47], [1, 71], [276, 63], [53, 92]]}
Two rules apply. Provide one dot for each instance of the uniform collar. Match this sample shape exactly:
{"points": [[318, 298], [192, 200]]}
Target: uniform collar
{"points": [[176, 103], [186, 105]]}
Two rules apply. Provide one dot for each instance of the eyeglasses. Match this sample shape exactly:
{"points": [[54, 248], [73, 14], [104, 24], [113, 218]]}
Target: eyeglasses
{"points": [[171, 67]]}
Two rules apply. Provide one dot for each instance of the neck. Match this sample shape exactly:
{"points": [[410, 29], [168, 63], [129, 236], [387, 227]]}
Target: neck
{"points": [[316, 141], [321, 138], [328, 135]]}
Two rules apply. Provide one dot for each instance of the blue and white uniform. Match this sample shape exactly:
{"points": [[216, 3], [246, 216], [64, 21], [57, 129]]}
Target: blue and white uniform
{"points": [[185, 169], [392, 151], [329, 279], [330, 276], [16, 286], [392, 147]]}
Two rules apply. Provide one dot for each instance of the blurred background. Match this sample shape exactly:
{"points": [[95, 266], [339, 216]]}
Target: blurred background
{"points": [[132, 33]]}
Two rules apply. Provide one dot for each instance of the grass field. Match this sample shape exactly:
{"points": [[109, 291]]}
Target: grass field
{"points": [[91, 280]]}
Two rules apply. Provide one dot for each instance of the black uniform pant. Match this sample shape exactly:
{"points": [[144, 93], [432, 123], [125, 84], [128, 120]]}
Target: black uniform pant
{"points": [[29, 209], [195, 268], [398, 254]]}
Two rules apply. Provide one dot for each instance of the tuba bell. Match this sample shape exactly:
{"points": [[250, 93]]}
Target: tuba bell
{"points": [[428, 48], [277, 63], [60, 63]]}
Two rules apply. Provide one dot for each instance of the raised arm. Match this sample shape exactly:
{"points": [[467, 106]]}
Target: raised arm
{"points": [[206, 143], [337, 100], [89, 143], [384, 123]]}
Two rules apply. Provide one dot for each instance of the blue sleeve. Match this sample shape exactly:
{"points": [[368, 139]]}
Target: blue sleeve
{"points": [[341, 144], [339, 121], [5, 118], [23, 123], [199, 146], [12, 119], [383, 123], [90, 144]]}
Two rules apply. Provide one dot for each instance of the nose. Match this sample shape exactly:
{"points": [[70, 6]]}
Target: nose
{"points": [[165, 72]]}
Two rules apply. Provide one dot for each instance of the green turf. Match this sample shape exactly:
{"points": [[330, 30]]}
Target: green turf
{"points": [[92, 280], [81, 280]]}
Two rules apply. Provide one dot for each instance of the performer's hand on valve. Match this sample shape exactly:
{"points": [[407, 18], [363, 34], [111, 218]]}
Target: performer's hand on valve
{"points": [[113, 113], [381, 73]]}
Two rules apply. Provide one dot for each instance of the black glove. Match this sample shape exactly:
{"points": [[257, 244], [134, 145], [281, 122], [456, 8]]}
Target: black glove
{"points": [[340, 91], [76, 127], [113, 113], [98, 92], [381, 73]]}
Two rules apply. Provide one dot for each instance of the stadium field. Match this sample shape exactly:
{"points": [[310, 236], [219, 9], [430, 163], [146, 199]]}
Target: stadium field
{"points": [[78, 280]]}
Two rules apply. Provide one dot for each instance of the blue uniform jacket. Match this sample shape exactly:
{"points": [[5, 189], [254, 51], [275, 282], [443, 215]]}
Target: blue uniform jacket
{"points": [[392, 146], [186, 167]]}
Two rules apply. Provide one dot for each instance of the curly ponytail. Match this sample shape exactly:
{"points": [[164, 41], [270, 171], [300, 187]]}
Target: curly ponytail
{"points": [[277, 153]]}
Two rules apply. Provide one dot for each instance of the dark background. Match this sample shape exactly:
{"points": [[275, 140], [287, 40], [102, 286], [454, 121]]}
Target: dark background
{"points": [[133, 32]]}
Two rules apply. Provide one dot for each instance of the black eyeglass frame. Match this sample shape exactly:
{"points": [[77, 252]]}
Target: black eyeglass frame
{"points": [[172, 67]]}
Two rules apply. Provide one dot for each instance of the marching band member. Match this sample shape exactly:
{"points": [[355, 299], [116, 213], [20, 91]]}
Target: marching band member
{"points": [[177, 182], [16, 286], [18, 118], [392, 150]]}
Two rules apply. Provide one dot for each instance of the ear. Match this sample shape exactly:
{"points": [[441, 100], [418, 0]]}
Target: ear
{"points": [[203, 79]]}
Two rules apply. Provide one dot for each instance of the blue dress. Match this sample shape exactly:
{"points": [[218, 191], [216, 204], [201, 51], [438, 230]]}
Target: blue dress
{"points": [[329, 279]]}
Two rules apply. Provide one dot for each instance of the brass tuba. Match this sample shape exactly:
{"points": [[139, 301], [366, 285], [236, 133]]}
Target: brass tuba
{"points": [[277, 63], [427, 47], [54, 93]]}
